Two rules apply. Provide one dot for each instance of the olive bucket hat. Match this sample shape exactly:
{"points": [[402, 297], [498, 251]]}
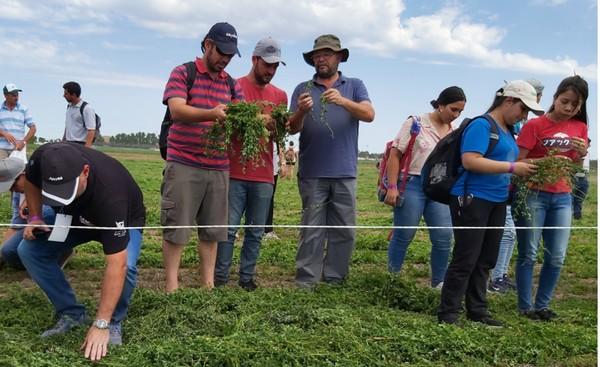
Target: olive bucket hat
{"points": [[326, 41]]}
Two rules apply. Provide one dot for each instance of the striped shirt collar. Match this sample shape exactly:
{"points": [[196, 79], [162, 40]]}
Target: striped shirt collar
{"points": [[4, 107]]}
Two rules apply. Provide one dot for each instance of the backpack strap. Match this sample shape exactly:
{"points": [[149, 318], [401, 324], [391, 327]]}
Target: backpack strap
{"points": [[81, 112], [190, 67], [494, 136], [415, 129], [231, 83], [493, 141]]}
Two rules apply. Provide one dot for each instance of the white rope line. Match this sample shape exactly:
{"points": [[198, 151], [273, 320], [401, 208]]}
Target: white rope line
{"points": [[292, 226]]}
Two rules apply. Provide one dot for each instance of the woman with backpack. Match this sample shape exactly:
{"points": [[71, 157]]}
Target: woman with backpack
{"points": [[561, 132], [478, 199], [409, 150]]}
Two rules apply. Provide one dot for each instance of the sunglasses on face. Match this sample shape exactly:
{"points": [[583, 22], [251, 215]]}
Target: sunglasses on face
{"points": [[326, 55]]}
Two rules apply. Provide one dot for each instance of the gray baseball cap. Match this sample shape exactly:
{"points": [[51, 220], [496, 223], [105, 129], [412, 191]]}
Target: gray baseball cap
{"points": [[10, 169], [269, 50], [536, 84]]}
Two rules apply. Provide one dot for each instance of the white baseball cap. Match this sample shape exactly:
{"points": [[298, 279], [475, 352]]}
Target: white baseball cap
{"points": [[525, 92], [11, 88]]}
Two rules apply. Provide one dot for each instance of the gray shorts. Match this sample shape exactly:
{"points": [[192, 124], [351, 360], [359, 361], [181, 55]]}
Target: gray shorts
{"points": [[193, 196]]}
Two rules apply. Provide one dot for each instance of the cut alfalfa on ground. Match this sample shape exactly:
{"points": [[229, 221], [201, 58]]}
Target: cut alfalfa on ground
{"points": [[549, 171], [244, 121]]}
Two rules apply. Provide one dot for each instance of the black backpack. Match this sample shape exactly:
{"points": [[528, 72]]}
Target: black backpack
{"points": [[167, 121], [441, 169], [98, 121]]}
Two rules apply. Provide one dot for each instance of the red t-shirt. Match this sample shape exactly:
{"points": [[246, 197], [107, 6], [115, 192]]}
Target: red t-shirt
{"points": [[539, 135], [255, 171], [189, 143]]}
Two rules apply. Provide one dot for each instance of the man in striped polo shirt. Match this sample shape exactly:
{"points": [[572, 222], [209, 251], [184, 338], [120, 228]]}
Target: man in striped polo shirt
{"points": [[14, 118], [196, 177]]}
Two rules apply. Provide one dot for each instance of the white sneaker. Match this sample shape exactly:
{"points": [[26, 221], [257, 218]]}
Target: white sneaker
{"points": [[439, 286], [271, 236]]}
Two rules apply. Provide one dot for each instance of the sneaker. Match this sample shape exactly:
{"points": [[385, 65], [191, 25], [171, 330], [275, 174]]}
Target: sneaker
{"points": [[64, 324], [271, 236], [488, 321], [63, 259], [530, 314], [577, 215], [114, 334], [249, 285], [546, 314], [497, 286], [509, 285], [439, 286]]}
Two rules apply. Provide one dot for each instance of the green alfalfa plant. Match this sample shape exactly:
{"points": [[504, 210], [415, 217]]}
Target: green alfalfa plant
{"points": [[281, 115], [550, 170], [323, 102], [243, 120]]}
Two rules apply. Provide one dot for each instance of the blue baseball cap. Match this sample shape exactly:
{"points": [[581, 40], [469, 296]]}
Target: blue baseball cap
{"points": [[225, 37]]}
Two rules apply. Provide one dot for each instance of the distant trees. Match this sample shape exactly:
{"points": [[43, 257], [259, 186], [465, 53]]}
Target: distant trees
{"points": [[366, 155], [134, 139]]}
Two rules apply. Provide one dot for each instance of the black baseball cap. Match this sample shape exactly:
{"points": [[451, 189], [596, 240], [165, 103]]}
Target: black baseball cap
{"points": [[225, 37], [61, 165]]}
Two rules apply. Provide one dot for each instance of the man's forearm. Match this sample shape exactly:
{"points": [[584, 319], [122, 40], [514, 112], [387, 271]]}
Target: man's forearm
{"points": [[112, 284], [30, 134], [297, 121], [33, 195], [362, 111], [89, 138]]}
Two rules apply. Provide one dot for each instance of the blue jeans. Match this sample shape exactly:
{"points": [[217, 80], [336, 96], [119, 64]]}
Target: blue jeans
{"points": [[40, 260], [548, 210], [9, 247], [15, 202], [507, 244], [579, 193], [417, 205], [252, 199]]}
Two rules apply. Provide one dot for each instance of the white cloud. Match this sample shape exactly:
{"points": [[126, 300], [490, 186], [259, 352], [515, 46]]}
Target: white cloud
{"points": [[550, 2], [51, 58], [120, 46], [375, 25]]}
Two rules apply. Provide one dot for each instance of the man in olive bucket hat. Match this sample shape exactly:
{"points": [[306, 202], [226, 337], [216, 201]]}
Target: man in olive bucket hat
{"points": [[326, 112]]}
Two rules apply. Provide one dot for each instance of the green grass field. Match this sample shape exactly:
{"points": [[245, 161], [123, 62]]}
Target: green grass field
{"points": [[373, 320]]}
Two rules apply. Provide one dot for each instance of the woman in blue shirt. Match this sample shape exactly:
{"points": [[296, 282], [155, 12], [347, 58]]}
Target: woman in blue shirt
{"points": [[478, 199]]}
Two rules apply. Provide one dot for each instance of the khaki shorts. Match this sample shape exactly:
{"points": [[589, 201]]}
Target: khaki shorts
{"points": [[193, 196]]}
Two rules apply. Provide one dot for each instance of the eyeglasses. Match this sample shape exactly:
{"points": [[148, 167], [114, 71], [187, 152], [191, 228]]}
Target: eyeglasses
{"points": [[222, 54], [326, 55]]}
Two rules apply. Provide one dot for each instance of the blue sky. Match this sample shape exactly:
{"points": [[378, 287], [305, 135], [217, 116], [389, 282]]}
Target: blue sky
{"points": [[406, 52]]}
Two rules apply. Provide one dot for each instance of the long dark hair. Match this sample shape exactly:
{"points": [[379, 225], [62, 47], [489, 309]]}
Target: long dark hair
{"points": [[498, 100], [580, 87], [449, 95]]}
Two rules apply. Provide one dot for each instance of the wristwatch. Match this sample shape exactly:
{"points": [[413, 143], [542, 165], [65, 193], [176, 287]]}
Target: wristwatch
{"points": [[101, 324]]}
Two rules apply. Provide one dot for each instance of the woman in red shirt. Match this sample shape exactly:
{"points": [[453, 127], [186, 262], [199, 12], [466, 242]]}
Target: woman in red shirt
{"points": [[562, 130]]}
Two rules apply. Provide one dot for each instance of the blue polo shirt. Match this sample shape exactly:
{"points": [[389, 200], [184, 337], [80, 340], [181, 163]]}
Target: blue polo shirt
{"points": [[488, 186], [326, 153], [14, 121]]}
